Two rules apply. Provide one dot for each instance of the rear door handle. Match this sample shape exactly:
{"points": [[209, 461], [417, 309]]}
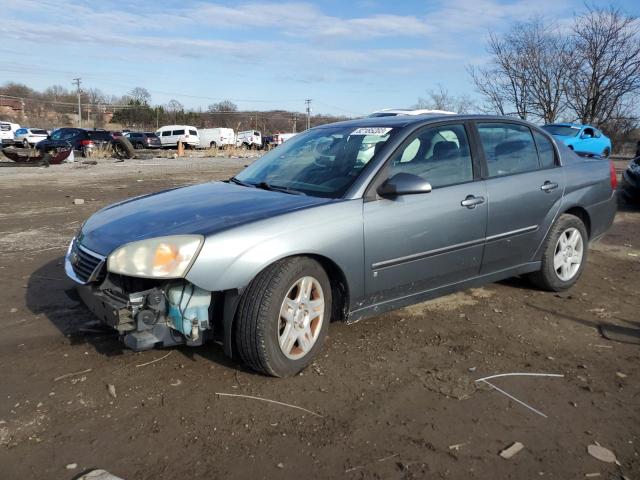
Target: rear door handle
{"points": [[548, 186], [471, 201]]}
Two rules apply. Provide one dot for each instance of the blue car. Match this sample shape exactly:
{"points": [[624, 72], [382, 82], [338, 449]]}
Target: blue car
{"points": [[581, 138]]}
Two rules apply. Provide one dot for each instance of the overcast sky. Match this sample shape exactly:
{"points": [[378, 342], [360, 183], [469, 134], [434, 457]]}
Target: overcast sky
{"points": [[350, 57]]}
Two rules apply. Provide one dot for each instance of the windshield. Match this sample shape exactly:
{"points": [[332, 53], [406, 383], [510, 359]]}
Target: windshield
{"points": [[322, 162], [562, 130]]}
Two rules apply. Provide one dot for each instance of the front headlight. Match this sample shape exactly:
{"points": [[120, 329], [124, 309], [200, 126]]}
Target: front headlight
{"points": [[162, 257]]}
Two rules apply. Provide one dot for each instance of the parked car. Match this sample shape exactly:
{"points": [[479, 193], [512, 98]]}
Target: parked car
{"points": [[170, 135], [28, 137], [393, 112], [85, 141], [249, 139], [631, 180], [7, 133], [216, 137], [321, 229], [581, 138], [141, 140], [280, 138]]}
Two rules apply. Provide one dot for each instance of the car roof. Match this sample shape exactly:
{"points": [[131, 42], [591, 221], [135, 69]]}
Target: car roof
{"points": [[401, 121], [409, 111], [576, 125]]}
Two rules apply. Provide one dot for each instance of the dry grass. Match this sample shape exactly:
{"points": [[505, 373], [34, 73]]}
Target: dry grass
{"points": [[101, 151]]}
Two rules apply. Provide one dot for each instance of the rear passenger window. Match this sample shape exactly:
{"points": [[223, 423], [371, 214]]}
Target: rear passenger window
{"points": [[440, 155], [193, 132], [178, 132], [546, 153], [166, 133], [509, 148]]}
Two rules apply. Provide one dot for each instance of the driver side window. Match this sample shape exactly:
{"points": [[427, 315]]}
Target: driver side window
{"points": [[440, 155]]}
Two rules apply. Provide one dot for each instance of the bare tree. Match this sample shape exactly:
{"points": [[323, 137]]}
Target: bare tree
{"points": [[528, 73], [441, 99], [607, 44], [223, 106], [488, 83], [140, 95], [504, 82], [95, 96], [548, 67]]}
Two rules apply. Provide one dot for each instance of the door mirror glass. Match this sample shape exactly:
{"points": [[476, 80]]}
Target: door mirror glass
{"points": [[404, 184]]}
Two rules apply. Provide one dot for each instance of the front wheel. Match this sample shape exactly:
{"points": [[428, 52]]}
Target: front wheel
{"points": [[283, 317], [606, 152], [564, 255], [25, 144]]}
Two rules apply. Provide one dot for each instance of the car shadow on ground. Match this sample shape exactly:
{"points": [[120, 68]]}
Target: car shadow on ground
{"points": [[51, 294], [610, 331]]}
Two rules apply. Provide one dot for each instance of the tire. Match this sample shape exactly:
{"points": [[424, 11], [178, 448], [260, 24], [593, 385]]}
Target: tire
{"points": [[213, 145], [606, 152], [25, 143], [261, 327], [122, 148], [138, 146], [548, 278]]}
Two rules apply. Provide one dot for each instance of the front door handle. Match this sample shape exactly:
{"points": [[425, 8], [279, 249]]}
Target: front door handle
{"points": [[471, 201], [548, 186]]}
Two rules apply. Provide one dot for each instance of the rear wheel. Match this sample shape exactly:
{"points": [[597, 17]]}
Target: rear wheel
{"points": [[138, 146], [283, 317], [25, 143], [606, 152], [213, 145], [564, 255]]}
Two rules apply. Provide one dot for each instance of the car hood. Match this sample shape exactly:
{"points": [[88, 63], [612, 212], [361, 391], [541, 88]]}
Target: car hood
{"points": [[202, 209]]}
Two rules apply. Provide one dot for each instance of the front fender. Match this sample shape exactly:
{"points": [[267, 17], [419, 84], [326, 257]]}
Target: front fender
{"points": [[231, 259]]}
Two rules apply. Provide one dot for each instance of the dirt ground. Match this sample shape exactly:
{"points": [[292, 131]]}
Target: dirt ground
{"points": [[392, 396]]}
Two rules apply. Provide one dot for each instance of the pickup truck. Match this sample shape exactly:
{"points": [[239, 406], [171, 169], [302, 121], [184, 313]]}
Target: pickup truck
{"points": [[341, 222]]}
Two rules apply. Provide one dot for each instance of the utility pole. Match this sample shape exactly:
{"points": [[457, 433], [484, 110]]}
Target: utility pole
{"points": [[77, 82], [308, 103], [295, 122]]}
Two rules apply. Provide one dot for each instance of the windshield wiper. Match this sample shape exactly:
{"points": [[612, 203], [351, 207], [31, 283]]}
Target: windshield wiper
{"points": [[240, 182], [278, 188]]}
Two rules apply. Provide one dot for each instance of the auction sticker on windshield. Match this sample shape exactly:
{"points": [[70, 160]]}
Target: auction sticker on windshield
{"points": [[381, 131]]}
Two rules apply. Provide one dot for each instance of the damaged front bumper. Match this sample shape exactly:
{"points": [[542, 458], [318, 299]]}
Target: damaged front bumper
{"points": [[146, 313]]}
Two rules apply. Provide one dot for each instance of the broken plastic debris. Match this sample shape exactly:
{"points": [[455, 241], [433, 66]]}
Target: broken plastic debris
{"points": [[98, 475], [601, 453], [112, 390], [512, 450]]}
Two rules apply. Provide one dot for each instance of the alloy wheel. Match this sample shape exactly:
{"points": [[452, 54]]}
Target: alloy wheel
{"points": [[301, 317], [568, 254]]}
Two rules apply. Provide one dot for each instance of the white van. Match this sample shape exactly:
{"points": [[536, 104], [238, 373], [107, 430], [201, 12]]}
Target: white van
{"points": [[170, 135], [249, 139], [8, 133], [216, 137], [280, 138]]}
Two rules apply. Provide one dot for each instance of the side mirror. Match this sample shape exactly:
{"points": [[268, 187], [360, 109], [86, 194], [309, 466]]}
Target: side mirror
{"points": [[404, 184]]}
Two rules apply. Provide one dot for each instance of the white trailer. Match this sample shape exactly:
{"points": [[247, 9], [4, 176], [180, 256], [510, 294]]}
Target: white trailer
{"points": [[216, 137]]}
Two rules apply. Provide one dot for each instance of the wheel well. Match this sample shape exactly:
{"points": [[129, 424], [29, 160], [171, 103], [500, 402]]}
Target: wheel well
{"points": [[583, 215], [339, 287], [226, 303]]}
